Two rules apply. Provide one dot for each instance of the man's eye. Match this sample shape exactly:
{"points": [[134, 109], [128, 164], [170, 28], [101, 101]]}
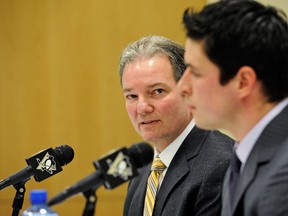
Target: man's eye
{"points": [[195, 74], [130, 97], [192, 72], [158, 91]]}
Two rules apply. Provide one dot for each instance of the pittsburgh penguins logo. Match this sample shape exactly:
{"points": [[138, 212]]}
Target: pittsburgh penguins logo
{"points": [[47, 164], [120, 167]]}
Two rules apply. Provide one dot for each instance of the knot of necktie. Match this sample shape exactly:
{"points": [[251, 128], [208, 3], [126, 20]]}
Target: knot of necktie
{"points": [[158, 165], [235, 163]]}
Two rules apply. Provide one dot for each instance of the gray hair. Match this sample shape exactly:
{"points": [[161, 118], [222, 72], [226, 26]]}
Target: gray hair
{"points": [[150, 46]]}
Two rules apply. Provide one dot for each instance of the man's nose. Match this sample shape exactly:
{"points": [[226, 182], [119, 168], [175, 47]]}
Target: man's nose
{"points": [[144, 106], [184, 85]]}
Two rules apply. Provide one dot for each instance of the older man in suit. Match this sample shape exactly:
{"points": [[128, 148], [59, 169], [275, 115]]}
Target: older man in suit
{"points": [[237, 80], [192, 162]]}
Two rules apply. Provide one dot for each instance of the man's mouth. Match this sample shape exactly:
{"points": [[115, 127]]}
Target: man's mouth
{"points": [[149, 122], [191, 107]]}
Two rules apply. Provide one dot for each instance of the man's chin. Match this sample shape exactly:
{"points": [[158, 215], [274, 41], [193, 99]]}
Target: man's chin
{"points": [[152, 138], [203, 124]]}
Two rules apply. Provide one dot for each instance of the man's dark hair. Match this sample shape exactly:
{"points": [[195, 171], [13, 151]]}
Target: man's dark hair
{"points": [[238, 33]]}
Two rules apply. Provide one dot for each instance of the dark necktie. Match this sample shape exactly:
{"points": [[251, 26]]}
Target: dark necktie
{"points": [[234, 175]]}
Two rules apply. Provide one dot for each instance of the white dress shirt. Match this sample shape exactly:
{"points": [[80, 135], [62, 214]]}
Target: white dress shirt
{"points": [[168, 153]]}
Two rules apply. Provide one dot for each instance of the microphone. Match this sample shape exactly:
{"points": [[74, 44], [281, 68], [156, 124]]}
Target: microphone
{"points": [[113, 169], [41, 165]]}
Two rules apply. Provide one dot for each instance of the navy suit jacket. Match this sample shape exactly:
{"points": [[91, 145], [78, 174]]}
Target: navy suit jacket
{"points": [[258, 190], [193, 182]]}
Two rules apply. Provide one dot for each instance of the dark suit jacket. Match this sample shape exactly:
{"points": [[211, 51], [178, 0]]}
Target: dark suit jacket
{"points": [[193, 182], [251, 192]]}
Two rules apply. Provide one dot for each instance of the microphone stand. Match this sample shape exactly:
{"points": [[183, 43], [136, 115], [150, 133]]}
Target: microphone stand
{"points": [[91, 200], [19, 196]]}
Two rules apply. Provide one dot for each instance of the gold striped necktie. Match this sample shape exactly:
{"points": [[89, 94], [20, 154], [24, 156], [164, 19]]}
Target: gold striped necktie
{"points": [[152, 186]]}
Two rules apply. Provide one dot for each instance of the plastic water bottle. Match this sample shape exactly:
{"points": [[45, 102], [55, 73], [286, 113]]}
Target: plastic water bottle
{"points": [[38, 206]]}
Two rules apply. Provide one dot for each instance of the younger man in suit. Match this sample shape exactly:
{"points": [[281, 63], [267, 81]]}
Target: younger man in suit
{"points": [[193, 161], [237, 80]]}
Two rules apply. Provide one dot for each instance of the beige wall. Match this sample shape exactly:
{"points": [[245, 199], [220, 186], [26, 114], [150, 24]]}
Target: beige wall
{"points": [[59, 84], [282, 4]]}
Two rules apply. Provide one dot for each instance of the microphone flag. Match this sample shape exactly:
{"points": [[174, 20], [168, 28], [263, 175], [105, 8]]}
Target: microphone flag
{"points": [[116, 168], [44, 164]]}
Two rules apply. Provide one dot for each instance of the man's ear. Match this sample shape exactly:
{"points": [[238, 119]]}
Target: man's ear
{"points": [[246, 80]]}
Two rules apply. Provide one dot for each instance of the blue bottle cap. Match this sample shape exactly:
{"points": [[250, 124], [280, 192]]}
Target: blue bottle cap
{"points": [[38, 196]]}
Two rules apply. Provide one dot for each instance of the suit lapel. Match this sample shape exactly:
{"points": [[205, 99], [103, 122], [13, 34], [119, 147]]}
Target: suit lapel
{"points": [[139, 195], [179, 166], [172, 176], [226, 206], [268, 143]]}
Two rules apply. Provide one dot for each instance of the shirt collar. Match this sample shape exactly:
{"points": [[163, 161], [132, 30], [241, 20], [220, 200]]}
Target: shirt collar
{"points": [[244, 147], [168, 153]]}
